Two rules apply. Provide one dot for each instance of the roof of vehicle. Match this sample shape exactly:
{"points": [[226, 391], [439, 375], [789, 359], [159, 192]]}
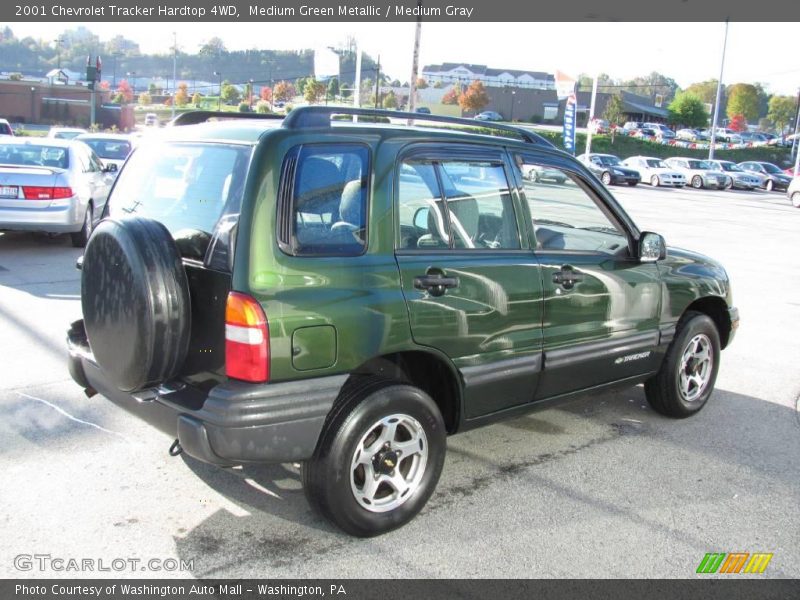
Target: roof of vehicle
{"points": [[37, 141], [68, 129], [122, 137]]}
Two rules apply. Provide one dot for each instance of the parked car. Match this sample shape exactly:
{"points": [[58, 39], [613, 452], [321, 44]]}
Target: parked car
{"points": [[655, 171], [489, 115], [689, 135], [631, 127], [423, 110], [661, 131], [64, 133], [793, 192], [542, 173], [5, 128], [51, 185], [342, 320], [740, 179], [773, 177], [112, 148], [749, 137], [599, 126], [151, 120], [609, 169], [699, 173], [789, 171]]}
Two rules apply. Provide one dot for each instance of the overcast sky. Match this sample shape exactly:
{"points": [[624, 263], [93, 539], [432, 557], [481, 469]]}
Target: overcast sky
{"points": [[687, 52]]}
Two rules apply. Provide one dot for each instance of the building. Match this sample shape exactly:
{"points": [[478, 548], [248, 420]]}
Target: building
{"points": [[464, 74]]}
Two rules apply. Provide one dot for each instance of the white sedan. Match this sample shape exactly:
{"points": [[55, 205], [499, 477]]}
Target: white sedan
{"points": [[655, 171], [699, 173]]}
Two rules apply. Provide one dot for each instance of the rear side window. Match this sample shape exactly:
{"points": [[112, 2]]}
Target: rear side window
{"points": [[186, 186], [323, 205]]}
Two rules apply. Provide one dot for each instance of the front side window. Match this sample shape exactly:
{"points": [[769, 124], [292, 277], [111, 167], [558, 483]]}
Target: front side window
{"points": [[565, 216], [464, 205], [324, 200]]}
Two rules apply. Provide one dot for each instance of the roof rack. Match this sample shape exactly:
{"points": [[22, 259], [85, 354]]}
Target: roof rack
{"points": [[305, 117], [201, 116]]}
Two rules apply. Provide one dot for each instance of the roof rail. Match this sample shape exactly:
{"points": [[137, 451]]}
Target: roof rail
{"points": [[194, 117], [305, 117]]}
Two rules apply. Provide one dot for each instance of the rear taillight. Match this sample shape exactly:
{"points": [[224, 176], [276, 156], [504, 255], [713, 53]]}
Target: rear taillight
{"points": [[246, 339], [35, 192]]}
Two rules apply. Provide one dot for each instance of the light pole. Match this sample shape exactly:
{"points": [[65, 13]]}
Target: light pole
{"points": [[174, 70], [59, 40], [513, 93], [250, 96], [132, 75], [219, 98], [719, 94]]}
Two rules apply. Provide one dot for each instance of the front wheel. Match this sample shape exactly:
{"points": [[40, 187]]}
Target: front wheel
{"points": [[769, 185], [697, 182], [796, 199], [654, 181], [686, 379], [606, 178], [379, 457]]}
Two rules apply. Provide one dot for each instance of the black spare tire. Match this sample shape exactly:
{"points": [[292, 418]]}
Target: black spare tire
{"points": [[135, 300]]}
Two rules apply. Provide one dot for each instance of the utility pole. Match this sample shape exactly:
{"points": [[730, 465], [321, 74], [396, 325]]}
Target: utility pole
{"points": [[412, 88], [719, 96], [378, 82], [795, 142], [591, 116], [219, 98], [174, 70], [357, 83]]}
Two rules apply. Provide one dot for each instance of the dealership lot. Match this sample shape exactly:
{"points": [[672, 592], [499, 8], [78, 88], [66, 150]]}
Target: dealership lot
{"points": [[603, 487]]}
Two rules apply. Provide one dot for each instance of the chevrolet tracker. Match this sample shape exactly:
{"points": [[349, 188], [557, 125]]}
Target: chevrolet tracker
{"points": [[347, 292]]}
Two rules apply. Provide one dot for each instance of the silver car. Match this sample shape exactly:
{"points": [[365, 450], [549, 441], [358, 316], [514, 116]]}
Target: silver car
{"points": [[51, 185], [111, 148], [699, 173], [740, 179]]}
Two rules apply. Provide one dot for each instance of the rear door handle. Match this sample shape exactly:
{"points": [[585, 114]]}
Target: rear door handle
{"points": [[435, 284]]}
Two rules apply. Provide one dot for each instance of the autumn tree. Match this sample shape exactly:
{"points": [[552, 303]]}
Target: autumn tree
{"points": [[314, 91], [421, 83], [738, 123], [265, 94], [145, 99], [688, 110], [197, 99], [781, 112], [450, 96], [284, 91], [743, 100], [124, 91], [474, 98], [614, 113], [182, 95]]}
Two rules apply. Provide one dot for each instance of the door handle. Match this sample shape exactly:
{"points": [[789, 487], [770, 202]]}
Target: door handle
{"points": [[436, 284], [567, 277]]}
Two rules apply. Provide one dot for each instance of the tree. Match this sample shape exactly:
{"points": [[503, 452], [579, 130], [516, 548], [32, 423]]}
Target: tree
{"points": [[421, 83], [781, 112], [263, 107], [614, 113], [152, 89], [197, 99], [124, 91], [214, 47], [104, 86], [390, 100], [705, 90], [314, 91], [284, 91], [738, 123], [333, 88], [743, 100], [265, 94], [230, 93], [688, 110], [474, 97], [450, 96], [182, 95], [145, 99]]}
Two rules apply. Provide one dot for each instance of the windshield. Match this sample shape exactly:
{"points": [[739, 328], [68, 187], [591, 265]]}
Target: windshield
{"points": [[110, 149], [608, 161], [730, 166], [654, 163], [770, 168], [34, 156], [699, 164], [186, 186]]}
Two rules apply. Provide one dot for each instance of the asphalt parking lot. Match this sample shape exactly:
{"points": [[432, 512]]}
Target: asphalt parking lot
{"points": [[602, 487]]}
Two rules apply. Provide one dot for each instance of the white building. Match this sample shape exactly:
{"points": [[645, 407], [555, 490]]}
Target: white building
{"points": [[464, 74]]}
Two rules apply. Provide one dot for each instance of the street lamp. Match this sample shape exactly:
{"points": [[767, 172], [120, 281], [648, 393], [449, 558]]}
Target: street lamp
{"points": [[513, 93], [59, 40], [114, 55], [132, 75], [250, 96], [174, 69], [219, 98]]}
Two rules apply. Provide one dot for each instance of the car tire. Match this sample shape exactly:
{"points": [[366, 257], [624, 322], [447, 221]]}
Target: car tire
{"points": [[135, 301], [697, 182], [728, 184], [796, 199], [686, 379], [79, 238], [769, 185], [336, 479], [654, 181], [606, 178]]}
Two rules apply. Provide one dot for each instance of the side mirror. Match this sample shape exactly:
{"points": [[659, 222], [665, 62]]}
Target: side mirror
{"points": [[652, 247], [110, 168]]}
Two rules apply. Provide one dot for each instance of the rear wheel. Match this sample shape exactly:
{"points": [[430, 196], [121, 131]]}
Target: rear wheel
{"points": [[79, 238], [697, 182], [606, 178], [687, 376], [379, 457], [796, 199], [654, 181], [769, 185]]}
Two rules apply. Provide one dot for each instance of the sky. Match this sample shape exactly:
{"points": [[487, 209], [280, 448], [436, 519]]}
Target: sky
{"points": [[687, 52]]}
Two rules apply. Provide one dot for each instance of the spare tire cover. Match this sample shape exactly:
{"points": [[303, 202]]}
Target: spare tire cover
{"points": [[135, 300]]}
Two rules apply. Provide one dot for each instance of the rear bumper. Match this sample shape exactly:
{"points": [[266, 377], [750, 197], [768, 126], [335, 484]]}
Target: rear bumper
{"points": [[65, 217], [233, 423]]}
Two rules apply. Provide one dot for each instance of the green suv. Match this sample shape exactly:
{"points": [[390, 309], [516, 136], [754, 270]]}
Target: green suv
{"points": [[344, 288]]}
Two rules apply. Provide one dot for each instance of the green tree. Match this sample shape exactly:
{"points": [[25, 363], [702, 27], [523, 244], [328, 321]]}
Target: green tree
{"points": [[705, 90], [263, 107], [389, 100], [474, 98], [614, 113], [230, 93], [688, 110], [781, 112], [333, 88], [197, 99], [743, 100], [314, 91]]}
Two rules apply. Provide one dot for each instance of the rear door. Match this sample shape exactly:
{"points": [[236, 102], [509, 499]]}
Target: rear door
{"points": [[601, 305], [471, 284]]}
